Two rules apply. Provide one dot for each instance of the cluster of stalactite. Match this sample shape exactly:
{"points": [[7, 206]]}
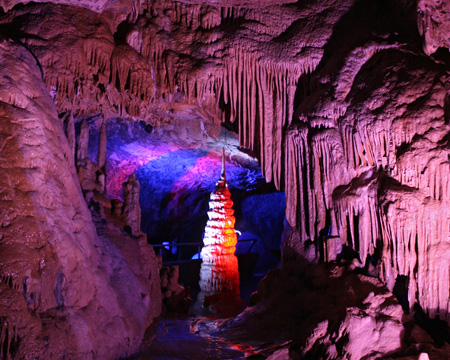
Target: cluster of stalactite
{"points": [[373, 176], [150, 61], [143, 67], [256, 92], [347, 175], [377, 181], [8, 337]]}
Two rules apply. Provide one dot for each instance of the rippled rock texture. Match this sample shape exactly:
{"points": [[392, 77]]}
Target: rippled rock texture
{"points": [[219, 272], [67, 291]]}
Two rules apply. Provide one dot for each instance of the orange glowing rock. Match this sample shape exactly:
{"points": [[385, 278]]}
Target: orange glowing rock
{"points": [[219, 273]]}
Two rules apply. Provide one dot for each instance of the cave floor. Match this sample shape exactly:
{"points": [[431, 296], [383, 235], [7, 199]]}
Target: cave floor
{"points": [[186, 337], [190, 336]]}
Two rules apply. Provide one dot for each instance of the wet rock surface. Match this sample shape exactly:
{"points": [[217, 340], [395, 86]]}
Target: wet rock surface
{"points": [[186, 338]]}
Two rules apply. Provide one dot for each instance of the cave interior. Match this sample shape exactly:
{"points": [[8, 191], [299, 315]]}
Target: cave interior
{"points": [[151, 148]]}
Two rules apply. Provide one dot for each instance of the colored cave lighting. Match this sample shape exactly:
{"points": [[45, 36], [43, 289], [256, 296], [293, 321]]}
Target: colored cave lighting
{"points": [[125, 160], [219, 273], [200, 175]]}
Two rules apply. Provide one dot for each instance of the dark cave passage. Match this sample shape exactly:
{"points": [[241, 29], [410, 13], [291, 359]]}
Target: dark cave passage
{"points": [[176, 178]]}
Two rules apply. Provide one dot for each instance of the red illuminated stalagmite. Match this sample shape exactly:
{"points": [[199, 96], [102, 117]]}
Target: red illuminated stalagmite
{"points": [[219, 273]]}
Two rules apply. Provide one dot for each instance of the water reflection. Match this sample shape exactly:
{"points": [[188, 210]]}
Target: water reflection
{"points": [[187, 338]]}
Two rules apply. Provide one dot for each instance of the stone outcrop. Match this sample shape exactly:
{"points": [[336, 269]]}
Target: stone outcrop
{"points": [[433, 25], [66, 292], [175, 296], [131, 209], [315, 311]]}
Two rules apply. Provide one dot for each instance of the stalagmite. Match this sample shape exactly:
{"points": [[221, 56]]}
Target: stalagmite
{"points": [[102, 146], [69, 127], [92, 176], [82, 143], [131, 209], [219, 273]]}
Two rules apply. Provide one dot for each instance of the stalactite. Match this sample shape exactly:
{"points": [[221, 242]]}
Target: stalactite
{"points": [[262, 122], [98, 54], [82, 143], [425, 230], [131, 75], [299, 204], [69, 127], [12, 323], [63, 83], [312, 171], [355, 205]]}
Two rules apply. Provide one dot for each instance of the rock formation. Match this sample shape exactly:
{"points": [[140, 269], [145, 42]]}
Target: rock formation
{"points": [[66, 291], [175, 297], [219, 272], [344, 102], [92, 175], [131, 209], [317, 311]]}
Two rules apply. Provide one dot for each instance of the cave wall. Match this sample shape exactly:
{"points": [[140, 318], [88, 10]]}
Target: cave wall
{"points": [[66, 291]]}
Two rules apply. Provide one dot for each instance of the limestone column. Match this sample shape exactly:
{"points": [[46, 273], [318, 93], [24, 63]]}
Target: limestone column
{"points": [[219, 273], [131, 209]]}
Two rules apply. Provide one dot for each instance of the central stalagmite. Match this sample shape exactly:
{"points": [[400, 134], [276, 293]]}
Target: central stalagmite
{"points": [[219, 273]]}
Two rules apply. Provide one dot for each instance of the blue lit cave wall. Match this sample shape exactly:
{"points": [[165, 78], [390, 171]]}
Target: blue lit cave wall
{"points": [[177, 168], [261, 216]]}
